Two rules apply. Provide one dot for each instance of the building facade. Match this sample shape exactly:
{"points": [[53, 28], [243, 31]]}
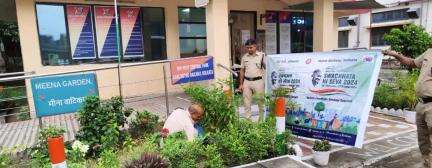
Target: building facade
{"points": [[371, 26], [58, 36]]}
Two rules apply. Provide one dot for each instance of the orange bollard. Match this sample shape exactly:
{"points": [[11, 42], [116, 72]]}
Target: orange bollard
{"points": [[280, 107], [57, 153], [280, 114]]}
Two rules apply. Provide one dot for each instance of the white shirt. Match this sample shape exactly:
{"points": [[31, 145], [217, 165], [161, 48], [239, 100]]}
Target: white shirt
{"points": [[180, 120]]}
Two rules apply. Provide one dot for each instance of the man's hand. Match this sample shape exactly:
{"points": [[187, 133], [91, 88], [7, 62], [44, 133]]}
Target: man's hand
{"points": [[240, 88], [390, 53]]}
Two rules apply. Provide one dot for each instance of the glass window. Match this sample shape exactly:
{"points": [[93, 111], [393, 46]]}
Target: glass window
{"points": [[192, 15], [192, 30], [377, 35], [388, 16], [53, 38], [154, 33], [343, 22], [343, 39]]}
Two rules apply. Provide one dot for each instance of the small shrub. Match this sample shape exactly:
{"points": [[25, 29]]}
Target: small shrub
{"points": [[51, 132], [220, 110], [24, 114], [245, 142], [149, 160], [4, 160], [321, 146], [100, 123], [143, 123], [108, 159], [398, 95], [185, 154]]}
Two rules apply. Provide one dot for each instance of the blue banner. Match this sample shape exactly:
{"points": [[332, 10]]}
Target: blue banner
{"points": [[81, 32], [192, 70], [55, 95]]}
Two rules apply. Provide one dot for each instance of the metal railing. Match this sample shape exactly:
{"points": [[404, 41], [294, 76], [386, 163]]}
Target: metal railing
{"points": [[23, 132]]}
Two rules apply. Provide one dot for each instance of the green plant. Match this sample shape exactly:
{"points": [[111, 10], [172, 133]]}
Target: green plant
{"points": [[406, 85], [282, 91], [100, 123], [220, 111], [78, 152], [245, 142], [411, 40], [4, 160], [149, 160], [24, 114], [143, 123], [398, 95], [185, 154], [51, 132], [321, 145], [108, 159]]}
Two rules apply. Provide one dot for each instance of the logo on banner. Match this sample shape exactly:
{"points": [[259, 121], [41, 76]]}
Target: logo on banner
{"points": [[79, 11], [316, 77], [106, 12]]}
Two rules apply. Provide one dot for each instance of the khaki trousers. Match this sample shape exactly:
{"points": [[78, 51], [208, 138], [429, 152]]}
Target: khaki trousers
{"points": [[251, 88], [424, 131]]}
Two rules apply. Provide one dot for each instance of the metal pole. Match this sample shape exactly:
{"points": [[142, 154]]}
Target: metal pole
{"points": [[118, 47], [40, 122], [166, 92]]}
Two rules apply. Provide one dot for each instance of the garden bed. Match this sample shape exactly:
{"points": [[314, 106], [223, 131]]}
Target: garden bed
{"points": [[102, 140]]}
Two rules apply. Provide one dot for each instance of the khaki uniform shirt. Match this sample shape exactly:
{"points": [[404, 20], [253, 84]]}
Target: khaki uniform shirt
{"points": [[252, 64], [424, 82]]}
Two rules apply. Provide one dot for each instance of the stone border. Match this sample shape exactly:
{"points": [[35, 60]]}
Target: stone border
{"points": [[386, 111]]}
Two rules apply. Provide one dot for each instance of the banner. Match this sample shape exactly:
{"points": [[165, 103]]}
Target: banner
{"points": [[81, 34], [271, 32], [192, 70], [53, 95], [333, 91], [284, 32], [132, 37], [106, 32]]}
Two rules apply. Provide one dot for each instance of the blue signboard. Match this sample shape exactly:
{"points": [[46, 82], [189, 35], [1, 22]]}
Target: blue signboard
{"points": [[53, 95], [192, 70]]}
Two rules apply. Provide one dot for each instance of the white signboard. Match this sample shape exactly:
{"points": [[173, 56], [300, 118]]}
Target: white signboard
{"points": [[333, 90]]}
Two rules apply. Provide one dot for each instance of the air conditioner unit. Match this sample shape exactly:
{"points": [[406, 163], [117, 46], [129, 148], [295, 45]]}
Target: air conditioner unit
{"points": [[352, 20], [413, 13]]}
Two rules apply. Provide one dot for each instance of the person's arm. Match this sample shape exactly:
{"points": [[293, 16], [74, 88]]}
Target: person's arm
{"points": [[191, 132], [242, 72], [401, 58]]}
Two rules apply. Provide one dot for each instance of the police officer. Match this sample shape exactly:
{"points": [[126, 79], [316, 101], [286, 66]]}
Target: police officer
{"points": [[424, 107], [252, 77]]}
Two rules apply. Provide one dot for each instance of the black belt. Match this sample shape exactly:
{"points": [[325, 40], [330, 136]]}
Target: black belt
{"points": [[253, 79], [426, 100]]}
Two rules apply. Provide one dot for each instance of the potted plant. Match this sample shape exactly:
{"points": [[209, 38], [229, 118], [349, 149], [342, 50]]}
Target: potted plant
{"points": [[321, 152], [55, 142]]}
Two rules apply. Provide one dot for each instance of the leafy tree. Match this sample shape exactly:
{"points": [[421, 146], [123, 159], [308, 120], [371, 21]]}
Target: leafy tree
{"points": [[411, 40], [320, 106]]}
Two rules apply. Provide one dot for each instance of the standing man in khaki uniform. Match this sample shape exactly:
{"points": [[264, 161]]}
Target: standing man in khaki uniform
{"points": [[424, 107], [252, 77]]}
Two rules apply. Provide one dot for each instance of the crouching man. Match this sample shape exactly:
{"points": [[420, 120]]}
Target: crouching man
{"points": [[184, 120]]}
